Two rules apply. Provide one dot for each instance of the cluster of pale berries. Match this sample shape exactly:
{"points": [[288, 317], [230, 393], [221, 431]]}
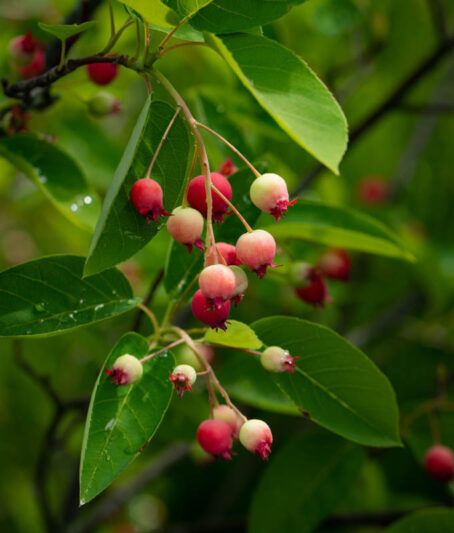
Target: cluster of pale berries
{"points": [[222, 281], [216, 434]]}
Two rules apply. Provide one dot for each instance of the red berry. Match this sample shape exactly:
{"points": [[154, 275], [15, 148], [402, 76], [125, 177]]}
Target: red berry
{"points": [[197, 195], [186, 227], [269, 193], [335, 264], [146, 197], [373, 191], [182, 377], [256, 250], [217, 283], [315, 292], [127, 369], [206, 313], [439, 463], [102, 73], [227, 167], [256, 436], [215, 437], [227, 251]]}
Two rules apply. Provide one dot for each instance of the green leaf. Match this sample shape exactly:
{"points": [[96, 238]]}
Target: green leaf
{"points": [[121, 231], [304, 482], [47, 296], [291, 93], [338, 226], [155, 12], [185, 33], [340, 388], [181, 269], [122, 420], [430, 520], [64, 31], [187, 8], [56, 174], [237, 335]]}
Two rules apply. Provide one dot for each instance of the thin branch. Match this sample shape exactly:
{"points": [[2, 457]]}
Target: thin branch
{"points": [[162, 350], [153, 320], [180, 45], [172, 33], [232, 207], [113, 40], [148, 299]]}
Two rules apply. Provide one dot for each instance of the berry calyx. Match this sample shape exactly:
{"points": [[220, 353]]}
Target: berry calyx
{"points": [[102, 104], [102, 73], [241, 284], [197, 195], [276, 359], [15, 121], [127, 369], [335, 264], [373, 191], [439, 463], [227, 414], [226, 251], [217, 283], [256, 250], [203, 310], [182, 377], [270, 194], [314, 291], [186, 227], [146, 197], [215, 437], [227, 167], [256, 436]]}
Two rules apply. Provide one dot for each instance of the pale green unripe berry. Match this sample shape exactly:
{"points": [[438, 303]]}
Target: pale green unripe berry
{"points": [[103, 103], [267, 190], [186, 226], [299, 274], [187, 372], [255, 436], [227, 414], [127, 369], [241, 281], [273, 359]]}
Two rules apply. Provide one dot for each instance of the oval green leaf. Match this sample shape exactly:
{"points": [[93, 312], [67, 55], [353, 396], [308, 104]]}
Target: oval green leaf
{"points": [[122, 420], [64, 31], [334, 382], [430, 520], [338, 226], [304, 482], [48, 296], [237, 335], [121, 231], [292, 94], [56, 174]]}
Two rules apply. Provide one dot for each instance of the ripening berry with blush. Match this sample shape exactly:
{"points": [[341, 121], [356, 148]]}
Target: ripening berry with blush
{"points": [[227, 167], [439, 463], [102, 73], [314, 291], [188, 357], [127, 369], [372, 191], [226, 251], [22, 47], [227, 414], [215, 437], [102, 104], [241, 284], [217, 283], [276, 359], [203, 310], [335, 264], [146, 197], [255, 436], [183, 377], [197, 195], [269, 193], [186, 227], [256, 250]]}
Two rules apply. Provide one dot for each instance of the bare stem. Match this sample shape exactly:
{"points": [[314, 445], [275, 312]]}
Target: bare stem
{"points": [[112, 19], [232, 207], [180, 45], [138, 44], [153, 320], [162, 350], [62, 54], [245, 350], [171, 34], [115, 37], [230, 145], [147, 42]]}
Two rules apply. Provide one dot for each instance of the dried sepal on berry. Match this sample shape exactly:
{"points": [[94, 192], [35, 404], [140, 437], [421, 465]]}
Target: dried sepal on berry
{"points": [[270, 194], [183, 377], [256, 436], [217, 283], [126, 369], [256, 250], [276, 359], [204, 311], [146, 198]]}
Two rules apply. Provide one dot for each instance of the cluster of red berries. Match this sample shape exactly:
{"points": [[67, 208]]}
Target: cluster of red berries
{"points": [[27, 55], [439, 463], [222, 281], [310, 281]]}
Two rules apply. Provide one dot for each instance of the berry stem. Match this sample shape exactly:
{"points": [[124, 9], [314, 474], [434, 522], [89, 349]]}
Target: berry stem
{"points": [[114, 38], [153, 320], [138, 44], [171, 34], [179, 45], [162, 350], [245, 350], [230, 145], [191, 172], [233, 208], [62, 54], [161, 142], [112, 19]]}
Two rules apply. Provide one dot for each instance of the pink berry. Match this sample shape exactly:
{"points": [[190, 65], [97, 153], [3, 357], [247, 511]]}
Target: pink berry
{"points": [[315, 291], [256, 250], [182, 377], [215, 437], [227, 251], [335, 264], [186, 227], [102, 73], [439, 463], [22, 47], [256, 436], [204, 311], [373, 191], [146, 197], [227, 167], [276, 359], [227, 414], [197, 195], [241, 284], [217, 283], [269, 193], [35, 67], [127, 369]]}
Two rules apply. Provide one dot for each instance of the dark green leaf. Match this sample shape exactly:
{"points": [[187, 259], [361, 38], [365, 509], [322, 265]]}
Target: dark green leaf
{"points": [[64, 31], [291, 93], [181, 269], [427, 521], [154, 12], [334, 382], [121, 231], [237, 335], [304, 483], [47, 296], [338, 226], [56, 174], [121, 420]]}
